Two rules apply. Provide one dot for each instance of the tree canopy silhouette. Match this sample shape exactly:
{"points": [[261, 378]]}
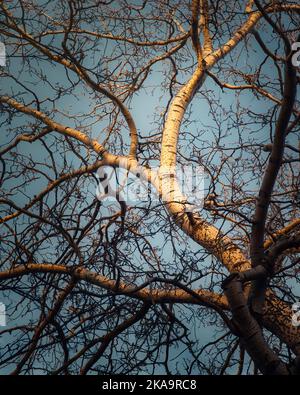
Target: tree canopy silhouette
{"points": [[92, 286]]}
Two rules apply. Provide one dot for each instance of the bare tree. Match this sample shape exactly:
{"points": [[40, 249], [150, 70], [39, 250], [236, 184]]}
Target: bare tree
{"points": [[145, 86]]}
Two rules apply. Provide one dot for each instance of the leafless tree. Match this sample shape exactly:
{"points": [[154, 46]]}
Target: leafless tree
{"points": [[145, 85]]}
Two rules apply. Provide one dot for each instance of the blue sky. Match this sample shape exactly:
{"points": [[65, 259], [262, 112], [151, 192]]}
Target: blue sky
{"points": [[144, 106]]}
